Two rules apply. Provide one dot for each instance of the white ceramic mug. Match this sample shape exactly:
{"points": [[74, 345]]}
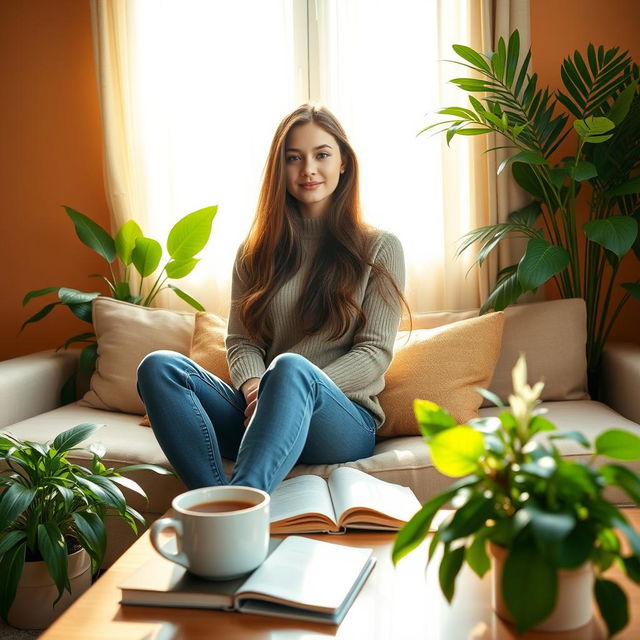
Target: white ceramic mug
{"points": [[221, 545]]}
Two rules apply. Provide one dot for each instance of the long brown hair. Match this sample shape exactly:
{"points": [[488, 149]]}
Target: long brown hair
{"points": [[272, 252]]}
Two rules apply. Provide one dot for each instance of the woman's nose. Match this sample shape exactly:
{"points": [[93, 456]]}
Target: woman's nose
{"points": [[308, 169]]}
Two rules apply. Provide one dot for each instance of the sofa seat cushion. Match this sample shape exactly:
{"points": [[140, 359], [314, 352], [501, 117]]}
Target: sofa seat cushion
{"points": [[403, 460]]}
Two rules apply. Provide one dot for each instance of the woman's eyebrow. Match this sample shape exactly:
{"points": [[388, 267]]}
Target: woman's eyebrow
{"points": [[322, 146]]}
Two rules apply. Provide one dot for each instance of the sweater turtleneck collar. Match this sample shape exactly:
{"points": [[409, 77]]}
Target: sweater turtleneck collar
{"points": [[312, 227]]}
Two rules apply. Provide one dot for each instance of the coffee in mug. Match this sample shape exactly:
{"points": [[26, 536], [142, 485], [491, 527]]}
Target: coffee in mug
{"points": [[222, 532]]}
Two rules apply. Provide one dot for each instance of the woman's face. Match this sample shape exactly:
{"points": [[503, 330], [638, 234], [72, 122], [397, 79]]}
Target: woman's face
{"points": [[313, 168]]}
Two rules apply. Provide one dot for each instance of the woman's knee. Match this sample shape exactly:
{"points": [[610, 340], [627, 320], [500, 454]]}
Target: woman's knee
{"points": [[290, 363], [158, 364]]}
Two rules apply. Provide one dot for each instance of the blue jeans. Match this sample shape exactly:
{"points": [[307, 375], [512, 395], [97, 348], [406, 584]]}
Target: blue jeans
{"points": [[300, 416]]}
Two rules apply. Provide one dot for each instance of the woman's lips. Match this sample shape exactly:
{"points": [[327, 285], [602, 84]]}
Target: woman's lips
{"points": [[310, 185]]}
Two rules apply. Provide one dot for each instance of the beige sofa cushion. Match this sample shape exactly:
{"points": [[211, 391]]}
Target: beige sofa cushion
{"points": [[126, 333], [444, 365], [552, 335]]}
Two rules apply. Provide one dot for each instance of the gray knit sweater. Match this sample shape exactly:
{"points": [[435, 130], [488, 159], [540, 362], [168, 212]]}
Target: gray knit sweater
{"points": [[356, 362]]}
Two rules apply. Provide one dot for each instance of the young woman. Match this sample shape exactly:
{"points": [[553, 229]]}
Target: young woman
{"points": [[315, 307]]}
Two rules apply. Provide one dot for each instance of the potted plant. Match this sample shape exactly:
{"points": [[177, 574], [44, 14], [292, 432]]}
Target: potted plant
{"points": [[544, 515], [52, 512], [599, 111], [139, 258]]}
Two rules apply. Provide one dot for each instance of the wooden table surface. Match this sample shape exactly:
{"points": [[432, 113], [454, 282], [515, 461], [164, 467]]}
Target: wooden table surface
{"points": [[396, 603]]}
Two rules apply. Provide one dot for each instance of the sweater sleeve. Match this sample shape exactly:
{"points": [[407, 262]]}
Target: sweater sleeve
{"points": [[372, 349], [245, 357]]}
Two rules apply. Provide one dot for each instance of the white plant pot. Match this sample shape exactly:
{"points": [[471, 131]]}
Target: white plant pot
{"points": [[575, 595], [33, 606]]}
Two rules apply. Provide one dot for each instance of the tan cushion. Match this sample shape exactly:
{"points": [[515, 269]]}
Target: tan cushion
{"points": [[552, 335], [126, 333], [443, 365], [207, 344]]}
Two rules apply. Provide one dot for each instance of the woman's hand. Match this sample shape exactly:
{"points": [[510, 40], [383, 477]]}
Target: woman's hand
{"points": [[250, 391]]}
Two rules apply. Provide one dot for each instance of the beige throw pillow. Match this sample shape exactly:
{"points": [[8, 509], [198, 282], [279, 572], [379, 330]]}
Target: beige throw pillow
{"points": [[552, 335], [444, 365], [126, 333]]}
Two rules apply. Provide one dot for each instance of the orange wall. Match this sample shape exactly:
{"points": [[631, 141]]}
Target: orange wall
{"points": [[558, 28], [50, 155], [51, 145]]}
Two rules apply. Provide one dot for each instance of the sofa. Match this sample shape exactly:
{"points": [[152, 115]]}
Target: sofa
{"points": [[441, 357]]}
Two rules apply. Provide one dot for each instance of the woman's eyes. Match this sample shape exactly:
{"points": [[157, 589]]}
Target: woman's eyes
{"points": [[321, 156]]}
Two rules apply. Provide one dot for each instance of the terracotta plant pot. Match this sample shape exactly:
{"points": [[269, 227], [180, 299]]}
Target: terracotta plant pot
{"points": [[575, 594], [33, 606]]}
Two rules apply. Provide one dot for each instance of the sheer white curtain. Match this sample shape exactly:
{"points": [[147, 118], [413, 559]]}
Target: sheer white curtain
{"points": [[191, 92]]}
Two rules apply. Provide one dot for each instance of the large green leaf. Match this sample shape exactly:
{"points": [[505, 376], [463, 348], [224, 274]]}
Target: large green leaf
{"points": [[88, 357], [45, 311], [455, 452], [471, 56], [468, 518], [582, 170], [529, 586], [549, 528], [37, 293], [51, 545], [10, 539], [622, 477], [622, 104], [73, 296], [612, 602], [527, 157], [450, 566], [431, 418], [116, 498], [126, 240], [615, 233], [186, 297], [190, 234], [507, 290], [618, 444], [415, 531], [592, 129], [476, 553], [146, 256], [92, 531], [180, 268], [70, 438], [11, 566], [93, 235], [13, 502], [540, 262]]}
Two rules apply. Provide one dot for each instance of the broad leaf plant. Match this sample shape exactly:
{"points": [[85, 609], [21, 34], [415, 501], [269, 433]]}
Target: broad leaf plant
{"points": [[515, 490], [49, 505], [132, 258]]}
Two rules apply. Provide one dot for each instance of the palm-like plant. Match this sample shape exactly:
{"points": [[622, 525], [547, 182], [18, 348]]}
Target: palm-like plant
{"points": [[602, 98]]}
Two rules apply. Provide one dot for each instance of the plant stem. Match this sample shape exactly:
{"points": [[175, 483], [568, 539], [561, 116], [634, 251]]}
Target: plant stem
{"points": [[155, 290]]}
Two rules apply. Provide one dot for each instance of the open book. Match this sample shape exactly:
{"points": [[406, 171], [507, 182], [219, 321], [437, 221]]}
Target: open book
{"points": [[348, 499], [301, 578]]}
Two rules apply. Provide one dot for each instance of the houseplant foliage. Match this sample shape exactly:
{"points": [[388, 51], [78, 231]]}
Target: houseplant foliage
{"points": [[599, 112], [132, 258], [517, 492], [49, 505]]}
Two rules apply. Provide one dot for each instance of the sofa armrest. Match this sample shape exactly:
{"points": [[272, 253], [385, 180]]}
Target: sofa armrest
{"points": [[31, 385], [620, 379]]}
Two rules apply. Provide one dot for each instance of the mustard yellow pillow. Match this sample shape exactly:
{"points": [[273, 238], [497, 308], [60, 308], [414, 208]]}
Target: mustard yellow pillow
{"points": [[207, 344], [443, 365]]}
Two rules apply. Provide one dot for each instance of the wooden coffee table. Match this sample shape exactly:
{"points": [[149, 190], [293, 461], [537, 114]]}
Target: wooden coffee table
{"points": [[395, 604]]}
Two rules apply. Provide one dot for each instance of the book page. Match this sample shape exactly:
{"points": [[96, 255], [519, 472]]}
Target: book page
{"points": [[301, 498], [307, 573], [360, 500]]}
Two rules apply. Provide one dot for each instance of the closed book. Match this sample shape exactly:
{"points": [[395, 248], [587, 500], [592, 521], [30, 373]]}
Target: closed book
{"points": [[300, 578]]}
